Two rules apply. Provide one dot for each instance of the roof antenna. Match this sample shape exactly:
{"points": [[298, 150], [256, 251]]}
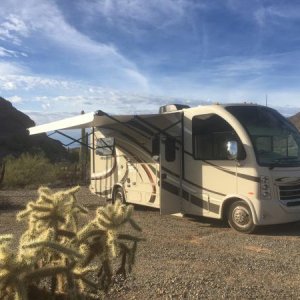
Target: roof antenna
{"points": [[266, 99]]}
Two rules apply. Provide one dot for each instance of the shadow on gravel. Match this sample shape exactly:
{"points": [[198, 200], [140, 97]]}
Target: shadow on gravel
{"points": [[290, 229], [11, 206], [202, 221], [207, 222], [145, 208], [6, 204]]}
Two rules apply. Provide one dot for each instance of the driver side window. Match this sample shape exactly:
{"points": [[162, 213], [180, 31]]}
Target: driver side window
{"points": [[210, 136]]}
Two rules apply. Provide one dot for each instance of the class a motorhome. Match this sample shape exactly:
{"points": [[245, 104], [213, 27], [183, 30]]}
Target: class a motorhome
{"points": [[239, 162]]}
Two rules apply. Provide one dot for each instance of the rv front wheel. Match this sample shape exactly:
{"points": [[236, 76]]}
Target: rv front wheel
{"points": [[240, 217], [119, 195]]}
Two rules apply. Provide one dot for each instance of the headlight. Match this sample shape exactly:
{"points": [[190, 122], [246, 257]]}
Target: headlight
{"points": [[265, 190]]}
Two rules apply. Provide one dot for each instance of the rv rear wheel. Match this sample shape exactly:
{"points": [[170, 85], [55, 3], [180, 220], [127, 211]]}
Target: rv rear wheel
{"points": [[119, 195], [240, 218]]}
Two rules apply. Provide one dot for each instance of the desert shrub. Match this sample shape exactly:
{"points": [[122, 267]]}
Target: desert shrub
{"points": [[33, 170], [55, 249], [28, 170]]}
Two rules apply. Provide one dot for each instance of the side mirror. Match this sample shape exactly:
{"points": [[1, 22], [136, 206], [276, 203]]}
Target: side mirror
{"points": [[232, 150]]}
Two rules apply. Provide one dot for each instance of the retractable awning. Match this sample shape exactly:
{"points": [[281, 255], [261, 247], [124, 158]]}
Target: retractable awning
{"points": [[147, 125]]}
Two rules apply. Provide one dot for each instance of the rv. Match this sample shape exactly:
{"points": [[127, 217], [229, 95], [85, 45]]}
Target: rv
{"points": [[239, 162]]}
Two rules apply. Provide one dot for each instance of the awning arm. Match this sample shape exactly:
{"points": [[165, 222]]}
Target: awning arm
{"points": [[74, 140]]}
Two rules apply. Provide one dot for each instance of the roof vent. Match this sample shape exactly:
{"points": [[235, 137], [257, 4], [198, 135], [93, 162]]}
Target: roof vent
{"points": [[172, 107]]}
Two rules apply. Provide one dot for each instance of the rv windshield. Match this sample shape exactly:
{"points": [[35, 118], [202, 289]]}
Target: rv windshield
{"points": [[276, 142]]}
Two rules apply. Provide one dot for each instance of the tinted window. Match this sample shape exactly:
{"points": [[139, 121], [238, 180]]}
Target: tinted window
{"points": [[210, 136], [105, 146], [155, 146], [170, 149], [276, 142]]}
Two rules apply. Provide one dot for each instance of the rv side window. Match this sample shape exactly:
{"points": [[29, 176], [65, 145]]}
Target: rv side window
{"points": [[210, 136], [105, 146], [155, 146], [170, 149]]}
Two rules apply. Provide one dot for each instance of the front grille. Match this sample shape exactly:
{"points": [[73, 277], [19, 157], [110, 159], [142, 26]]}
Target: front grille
{"points": [[289, 192]]}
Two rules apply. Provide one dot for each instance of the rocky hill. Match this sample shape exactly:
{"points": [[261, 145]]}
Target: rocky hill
{"points": [[296, 120], [14, 138]]}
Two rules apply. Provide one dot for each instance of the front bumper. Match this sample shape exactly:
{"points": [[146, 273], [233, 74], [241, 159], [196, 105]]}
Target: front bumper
{"points": [[274, 212]]}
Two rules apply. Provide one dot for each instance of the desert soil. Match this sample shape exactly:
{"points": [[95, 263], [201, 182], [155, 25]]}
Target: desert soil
{"points": [[194, 258]]}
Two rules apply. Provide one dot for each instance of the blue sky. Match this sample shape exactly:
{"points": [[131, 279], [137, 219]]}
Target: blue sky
{"points": [[131, 56]]}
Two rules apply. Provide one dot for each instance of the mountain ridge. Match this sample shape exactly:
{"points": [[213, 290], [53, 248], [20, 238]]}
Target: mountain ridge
{"points": [[15, 139]]}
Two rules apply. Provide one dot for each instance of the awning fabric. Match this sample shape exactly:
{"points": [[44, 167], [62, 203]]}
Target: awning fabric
{"points": [[139, 125]]}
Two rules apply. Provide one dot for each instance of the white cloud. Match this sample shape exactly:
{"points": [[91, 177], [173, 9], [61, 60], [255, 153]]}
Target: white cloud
{"points": [[260, 16], [15, 99], [62, 107], [7, 68], [237, 66], [26, 82], [10, 53], [13, 29], [131, 15], [265, 14], [154, 12], [268, 15], [43, 18], [284, 11], [42, 117], [7, 85]]}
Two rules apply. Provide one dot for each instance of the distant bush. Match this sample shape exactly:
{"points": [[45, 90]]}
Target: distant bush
{"points": [[28, 170], [33, 170]]}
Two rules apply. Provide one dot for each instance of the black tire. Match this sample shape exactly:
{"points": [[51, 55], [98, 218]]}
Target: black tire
{"points": [[119, 195], [240, 217]]}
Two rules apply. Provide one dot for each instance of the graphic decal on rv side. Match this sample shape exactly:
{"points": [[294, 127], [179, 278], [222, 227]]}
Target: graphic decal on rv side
{"points": [[124, 178], [194, 199], [145, 166], [245, 176], [153, 196], [194, 184], [109, 191], [108, 173]]}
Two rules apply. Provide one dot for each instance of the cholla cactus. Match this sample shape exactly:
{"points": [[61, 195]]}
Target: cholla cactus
{"points": [[16, 273], [10, 270], [54, 247], [101, 238], [53, 210]]}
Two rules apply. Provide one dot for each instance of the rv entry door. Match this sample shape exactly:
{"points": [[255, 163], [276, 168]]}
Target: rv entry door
{"points": [[170, 175]]}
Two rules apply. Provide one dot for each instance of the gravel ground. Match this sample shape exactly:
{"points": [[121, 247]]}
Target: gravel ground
{"points": [[195, 258]]}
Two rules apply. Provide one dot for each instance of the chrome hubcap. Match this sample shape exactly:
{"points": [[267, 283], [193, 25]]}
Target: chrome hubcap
{"points": [[241, 216]]}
